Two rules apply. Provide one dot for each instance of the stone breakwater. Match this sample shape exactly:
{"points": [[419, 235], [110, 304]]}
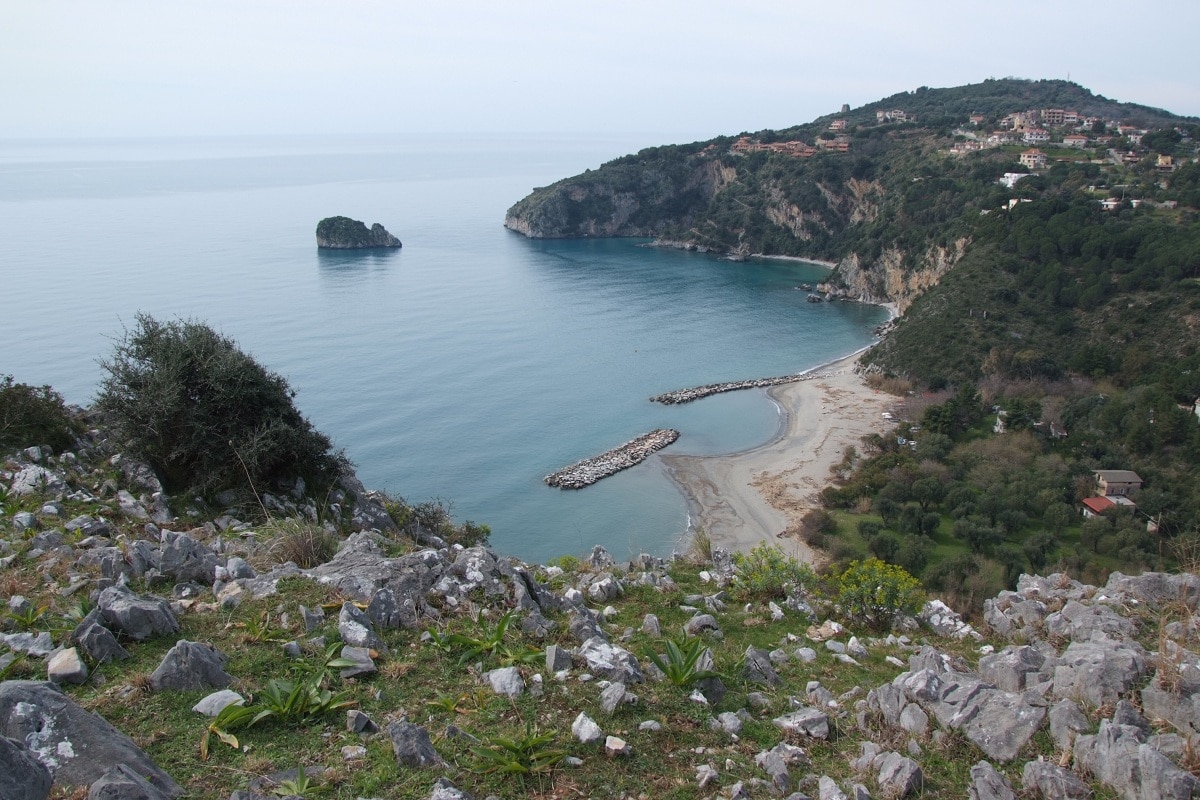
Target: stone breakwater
{"points": [[635, 451], [697, 392]]}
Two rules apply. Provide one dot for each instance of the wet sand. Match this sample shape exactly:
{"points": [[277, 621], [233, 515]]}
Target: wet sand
{"points": [[763, 494]]}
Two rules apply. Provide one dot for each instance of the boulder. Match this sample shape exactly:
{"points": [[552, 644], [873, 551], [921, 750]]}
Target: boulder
{"points": [[1053, 782], [356, 630], [1098, 672], [191, 665], [122, 783], [1003, 724], [899, 776], [137, 616], [988, 784], [585, 729], [185, 560], [412, 745], [807, 721], [506, 681], [77, 746], [66, 666], [21, 774], [610, 661], [758, 669]]}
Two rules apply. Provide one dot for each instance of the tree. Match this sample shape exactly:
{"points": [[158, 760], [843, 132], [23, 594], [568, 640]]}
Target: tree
{"points": [[206, 416]]}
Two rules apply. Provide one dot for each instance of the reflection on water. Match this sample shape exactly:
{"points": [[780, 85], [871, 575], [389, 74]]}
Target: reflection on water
{"points": [[348, 262]]}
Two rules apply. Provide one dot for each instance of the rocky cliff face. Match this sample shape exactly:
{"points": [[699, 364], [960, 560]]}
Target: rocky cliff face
{"points": [[343, 233], [895, 277]]}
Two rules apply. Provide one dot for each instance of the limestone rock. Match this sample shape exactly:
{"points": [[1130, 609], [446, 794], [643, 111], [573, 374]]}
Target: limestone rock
{"points": [[899, 776], [610, 661], [1053, 782], [988, 784], [412, 745], [213, 704], [808, 721], [21, 774], [758, 668], [122, 783], [506, 681], [191, 665], [137, 616], [77, 745], [356, 630], [66, 666], [585, 729]]}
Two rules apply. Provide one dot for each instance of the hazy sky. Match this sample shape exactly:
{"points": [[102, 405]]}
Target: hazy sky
{"points": [[684, 70]]}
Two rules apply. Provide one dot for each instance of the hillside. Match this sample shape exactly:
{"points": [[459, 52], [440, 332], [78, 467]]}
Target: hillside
{"points": [[216, 654], [1050, 310]]}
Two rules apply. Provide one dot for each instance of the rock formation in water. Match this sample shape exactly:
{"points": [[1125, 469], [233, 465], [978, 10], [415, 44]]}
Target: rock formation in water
{"points": [[343, 233]]}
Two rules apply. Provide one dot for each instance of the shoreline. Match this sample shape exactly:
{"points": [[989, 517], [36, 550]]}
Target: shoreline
{"points": [[763, 493]]}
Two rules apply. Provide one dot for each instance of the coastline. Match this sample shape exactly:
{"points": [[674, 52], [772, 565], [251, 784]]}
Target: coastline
{"points": [[762, 494]]}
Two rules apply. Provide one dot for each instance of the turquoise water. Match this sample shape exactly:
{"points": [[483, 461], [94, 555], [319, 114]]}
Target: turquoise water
{"points": [[465, 366]]}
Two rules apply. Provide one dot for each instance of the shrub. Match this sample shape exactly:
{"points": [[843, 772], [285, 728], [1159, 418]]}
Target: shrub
{"points": [[33, 415], [874, 592], [303, 543], [766, 571], [206, 416]]}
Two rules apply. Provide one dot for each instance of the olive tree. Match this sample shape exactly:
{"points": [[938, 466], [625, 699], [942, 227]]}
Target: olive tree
{"points": [[205, 415]]}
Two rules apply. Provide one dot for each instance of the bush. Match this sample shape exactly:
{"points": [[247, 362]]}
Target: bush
{"points": [[874, 592], [766, 572], [206, 416], [33, 415]]}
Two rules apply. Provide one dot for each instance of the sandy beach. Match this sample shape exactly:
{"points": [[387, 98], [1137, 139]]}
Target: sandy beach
{"points": [[762, 494]]}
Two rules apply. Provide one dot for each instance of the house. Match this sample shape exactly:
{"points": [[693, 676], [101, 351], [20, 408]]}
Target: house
{"points": [[1116, 482], [895, 115], [1110, 204], [1010, 179], [1052, 116], [1166, 163], [1076, 140], [1036, 136], [977, 119], [1196, 408], [1033, 159], [1095, 506], [837, 125]]}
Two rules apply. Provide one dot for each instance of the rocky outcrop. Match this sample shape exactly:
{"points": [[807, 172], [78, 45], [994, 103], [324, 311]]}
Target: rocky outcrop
{"points": [[896, 276], [343, 233]]}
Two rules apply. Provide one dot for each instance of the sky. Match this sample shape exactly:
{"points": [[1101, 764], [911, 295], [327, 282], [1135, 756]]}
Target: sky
{"points": [[684, 71]]}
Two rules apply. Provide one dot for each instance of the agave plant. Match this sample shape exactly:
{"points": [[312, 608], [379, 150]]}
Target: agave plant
{"points": [[680, 663], [531, 754]]}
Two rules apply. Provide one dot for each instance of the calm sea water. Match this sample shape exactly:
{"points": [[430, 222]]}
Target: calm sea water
{"points": [[465, 366]]}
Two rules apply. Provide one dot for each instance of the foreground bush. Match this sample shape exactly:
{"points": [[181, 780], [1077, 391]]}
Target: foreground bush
{"points": [[875, 592], [206, 416], [32, 415], [767, 572]]}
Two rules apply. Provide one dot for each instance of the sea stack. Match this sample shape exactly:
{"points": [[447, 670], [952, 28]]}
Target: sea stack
{"points": [[343, 233]]}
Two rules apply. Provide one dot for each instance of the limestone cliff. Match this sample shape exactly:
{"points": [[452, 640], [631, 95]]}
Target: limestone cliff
{"points": [[343, 233], [895, 277]]}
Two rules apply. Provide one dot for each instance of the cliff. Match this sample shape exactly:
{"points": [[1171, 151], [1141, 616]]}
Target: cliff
{"points": [[343, 233]]}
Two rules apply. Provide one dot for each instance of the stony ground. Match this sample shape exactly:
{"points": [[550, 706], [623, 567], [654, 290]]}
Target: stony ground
{"points": [[220, 660]]}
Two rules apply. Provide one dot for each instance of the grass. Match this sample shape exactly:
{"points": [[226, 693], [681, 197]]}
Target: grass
{"points": [[518, 742]]}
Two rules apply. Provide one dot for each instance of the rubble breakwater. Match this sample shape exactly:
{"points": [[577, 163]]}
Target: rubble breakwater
{"points": [[697, 392], [635, 451]]}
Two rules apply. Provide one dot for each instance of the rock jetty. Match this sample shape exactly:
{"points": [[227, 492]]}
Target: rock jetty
{"points": [[695, 393], [343, 233], [632, 453]]}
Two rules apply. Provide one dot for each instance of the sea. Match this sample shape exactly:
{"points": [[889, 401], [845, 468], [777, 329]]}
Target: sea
{"points": [[462, 368]]}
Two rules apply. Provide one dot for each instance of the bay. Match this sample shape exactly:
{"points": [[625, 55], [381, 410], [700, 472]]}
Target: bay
{"points": [[465, 366]]}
